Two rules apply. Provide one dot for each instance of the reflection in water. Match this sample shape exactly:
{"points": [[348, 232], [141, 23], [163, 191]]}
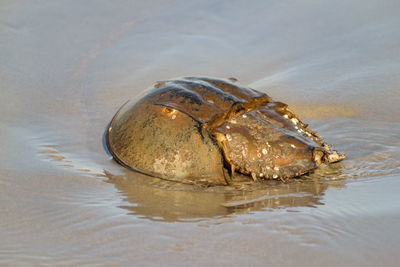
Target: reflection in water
{"points": [[372, 153], [162, 200]]}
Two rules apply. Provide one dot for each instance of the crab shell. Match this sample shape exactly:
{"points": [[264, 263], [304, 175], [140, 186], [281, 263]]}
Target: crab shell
{"points": [[193, 130]]}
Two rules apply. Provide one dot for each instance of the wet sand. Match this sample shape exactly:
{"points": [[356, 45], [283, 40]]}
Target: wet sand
{"points": [[66, 67]]}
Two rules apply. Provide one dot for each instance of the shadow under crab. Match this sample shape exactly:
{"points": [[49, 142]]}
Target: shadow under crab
{"points": [[203, 130]]}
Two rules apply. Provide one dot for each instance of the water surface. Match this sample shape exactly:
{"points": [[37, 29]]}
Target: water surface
{"points": [[66, 67]]}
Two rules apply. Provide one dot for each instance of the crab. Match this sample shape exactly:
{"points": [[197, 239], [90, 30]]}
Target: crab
{"points": [[204, 130]]}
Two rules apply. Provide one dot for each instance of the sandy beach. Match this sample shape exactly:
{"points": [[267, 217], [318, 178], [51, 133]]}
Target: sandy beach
{"points": [[67, 66]]}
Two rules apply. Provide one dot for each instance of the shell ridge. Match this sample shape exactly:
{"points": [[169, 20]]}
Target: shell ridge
{"points": [[209, 87]]}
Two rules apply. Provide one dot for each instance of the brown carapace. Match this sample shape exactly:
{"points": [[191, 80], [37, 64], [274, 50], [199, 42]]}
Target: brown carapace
{"points": [[203, 130]]}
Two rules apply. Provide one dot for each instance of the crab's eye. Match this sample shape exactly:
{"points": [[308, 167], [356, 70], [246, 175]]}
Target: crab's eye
{"points": [[170, 112]]}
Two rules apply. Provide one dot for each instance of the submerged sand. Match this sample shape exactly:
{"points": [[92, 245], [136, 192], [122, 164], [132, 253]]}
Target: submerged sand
{"points": [[66, 67]]}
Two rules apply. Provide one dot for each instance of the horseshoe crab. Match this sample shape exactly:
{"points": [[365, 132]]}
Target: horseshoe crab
{"points": [[203, 130]]}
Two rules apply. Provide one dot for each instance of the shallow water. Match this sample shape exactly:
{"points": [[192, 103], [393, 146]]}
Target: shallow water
{"points": [[67, 67]]}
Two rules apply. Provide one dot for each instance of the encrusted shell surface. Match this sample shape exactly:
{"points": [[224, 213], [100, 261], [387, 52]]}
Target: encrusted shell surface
{"points": [[193, 129]]}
